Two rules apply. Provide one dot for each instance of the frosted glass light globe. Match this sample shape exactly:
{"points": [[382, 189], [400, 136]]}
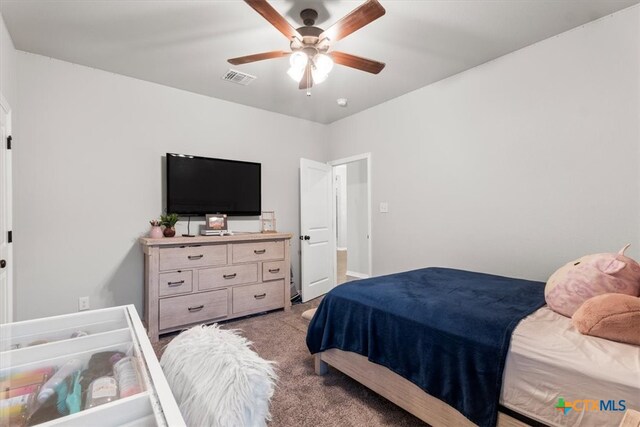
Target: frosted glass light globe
{"points": [[296, 73], [298, 60], [323, 63], [318, 77]]}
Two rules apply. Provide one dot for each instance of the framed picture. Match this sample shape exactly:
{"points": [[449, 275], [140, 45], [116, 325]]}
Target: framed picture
{"points": [[268, 222], [216, 222]]}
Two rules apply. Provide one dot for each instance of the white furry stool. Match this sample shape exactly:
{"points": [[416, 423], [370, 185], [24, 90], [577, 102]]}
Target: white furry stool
{"points": [[217, 379]]}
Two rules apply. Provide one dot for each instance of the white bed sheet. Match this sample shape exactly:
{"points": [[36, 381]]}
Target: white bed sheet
{"points": [[548, 359]]}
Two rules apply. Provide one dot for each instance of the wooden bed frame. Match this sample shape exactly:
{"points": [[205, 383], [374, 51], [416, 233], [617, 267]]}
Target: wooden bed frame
{"points": [[398, 390]]}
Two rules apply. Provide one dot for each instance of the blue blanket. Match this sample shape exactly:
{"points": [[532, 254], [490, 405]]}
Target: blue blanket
{"points": [[447, 331]]}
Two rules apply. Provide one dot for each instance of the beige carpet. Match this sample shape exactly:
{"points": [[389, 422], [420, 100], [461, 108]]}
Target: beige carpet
{"points": [[303, 398]]}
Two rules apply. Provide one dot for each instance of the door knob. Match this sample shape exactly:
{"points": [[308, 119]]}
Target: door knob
{"points": [[3, 263], [305, 237]]}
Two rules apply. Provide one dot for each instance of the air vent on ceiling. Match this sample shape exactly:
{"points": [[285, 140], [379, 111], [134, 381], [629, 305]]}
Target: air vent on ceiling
{"points": [[238, 77]]}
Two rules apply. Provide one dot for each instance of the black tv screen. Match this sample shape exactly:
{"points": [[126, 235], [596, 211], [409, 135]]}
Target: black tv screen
{"points": [[201, 185]]}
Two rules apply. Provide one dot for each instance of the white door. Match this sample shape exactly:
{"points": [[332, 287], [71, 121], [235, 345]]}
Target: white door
{"points": [[6, 294], [317, 242]]}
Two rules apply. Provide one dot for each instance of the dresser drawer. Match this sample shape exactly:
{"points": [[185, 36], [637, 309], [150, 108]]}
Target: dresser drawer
{"points": [[264, 296], [192, 256], [177, 282], [258, 251], [187, 309], [273, 270], [210, 278]]}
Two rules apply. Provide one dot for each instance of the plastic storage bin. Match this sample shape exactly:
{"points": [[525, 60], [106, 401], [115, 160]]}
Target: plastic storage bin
{"points": [[41, 343]]}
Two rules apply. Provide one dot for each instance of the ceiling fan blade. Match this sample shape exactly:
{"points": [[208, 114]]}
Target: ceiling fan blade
{"points": [[307, 78], [356, 19], [357, 62], [258, 57], [274, 18]]}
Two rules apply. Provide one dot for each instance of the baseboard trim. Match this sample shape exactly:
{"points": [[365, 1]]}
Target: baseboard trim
{"points": [[341, 249], [358, 275]]}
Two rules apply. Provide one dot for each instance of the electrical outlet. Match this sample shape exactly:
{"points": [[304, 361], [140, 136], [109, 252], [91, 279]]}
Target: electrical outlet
{"points": [[83, 303]]}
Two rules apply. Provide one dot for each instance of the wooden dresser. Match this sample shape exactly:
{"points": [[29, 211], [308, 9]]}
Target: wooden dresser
{"points": [[205, 279]]}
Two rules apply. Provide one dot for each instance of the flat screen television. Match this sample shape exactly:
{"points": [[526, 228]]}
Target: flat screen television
{"points": [[202, 185]]}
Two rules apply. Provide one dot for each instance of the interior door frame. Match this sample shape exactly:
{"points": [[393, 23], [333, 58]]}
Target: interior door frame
{"points": [[344, 161], [9, 171]]}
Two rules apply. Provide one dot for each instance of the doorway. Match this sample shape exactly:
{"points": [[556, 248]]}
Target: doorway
{"points": [[335, 223], [352, 217]]}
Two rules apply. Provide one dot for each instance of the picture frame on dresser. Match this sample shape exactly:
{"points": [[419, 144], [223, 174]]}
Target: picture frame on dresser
{"points": [[216, 222], [268, 221], [208, 279]]}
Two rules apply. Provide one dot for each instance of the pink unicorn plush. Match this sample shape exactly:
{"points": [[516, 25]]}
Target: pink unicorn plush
{"points": [[592, 275]]}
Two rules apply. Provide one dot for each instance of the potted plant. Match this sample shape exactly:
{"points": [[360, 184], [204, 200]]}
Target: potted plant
{"points": [[156, 231], [169, 221]]}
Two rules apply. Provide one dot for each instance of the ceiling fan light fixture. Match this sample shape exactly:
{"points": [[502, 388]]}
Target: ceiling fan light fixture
{"points": [[296, 73], [323, 63], [318, 77], [309, 44], [298, 60]]}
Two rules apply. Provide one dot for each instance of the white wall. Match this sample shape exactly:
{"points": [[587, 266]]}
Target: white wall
{"points": [[88, 175], [8, 71], [357, 219], [514, 167]]}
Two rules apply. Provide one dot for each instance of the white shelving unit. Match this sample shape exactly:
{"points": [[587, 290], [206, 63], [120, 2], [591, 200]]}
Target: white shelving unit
{"points": [[111, 329]]}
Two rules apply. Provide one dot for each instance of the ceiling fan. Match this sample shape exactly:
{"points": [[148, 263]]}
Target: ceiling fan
{"points": [[310, 58]]}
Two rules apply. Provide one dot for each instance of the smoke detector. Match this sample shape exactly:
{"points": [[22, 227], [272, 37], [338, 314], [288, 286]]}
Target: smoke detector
{"points": [[342, 102]]}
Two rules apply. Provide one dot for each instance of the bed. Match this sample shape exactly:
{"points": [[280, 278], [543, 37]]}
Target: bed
{"points": [[544, 358]]}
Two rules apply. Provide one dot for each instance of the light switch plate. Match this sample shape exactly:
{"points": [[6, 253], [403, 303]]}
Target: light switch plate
{"points": [[384, 207]]}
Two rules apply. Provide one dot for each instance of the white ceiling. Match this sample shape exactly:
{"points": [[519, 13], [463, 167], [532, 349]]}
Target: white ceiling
{"points": [[185, 44]]}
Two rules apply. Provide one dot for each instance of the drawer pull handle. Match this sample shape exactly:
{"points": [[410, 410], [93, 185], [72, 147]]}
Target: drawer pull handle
{"points": [[260, 296], [230, 276], [172, 284], [274, 270], [259, 251], [198, 308], [193, 257]]}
